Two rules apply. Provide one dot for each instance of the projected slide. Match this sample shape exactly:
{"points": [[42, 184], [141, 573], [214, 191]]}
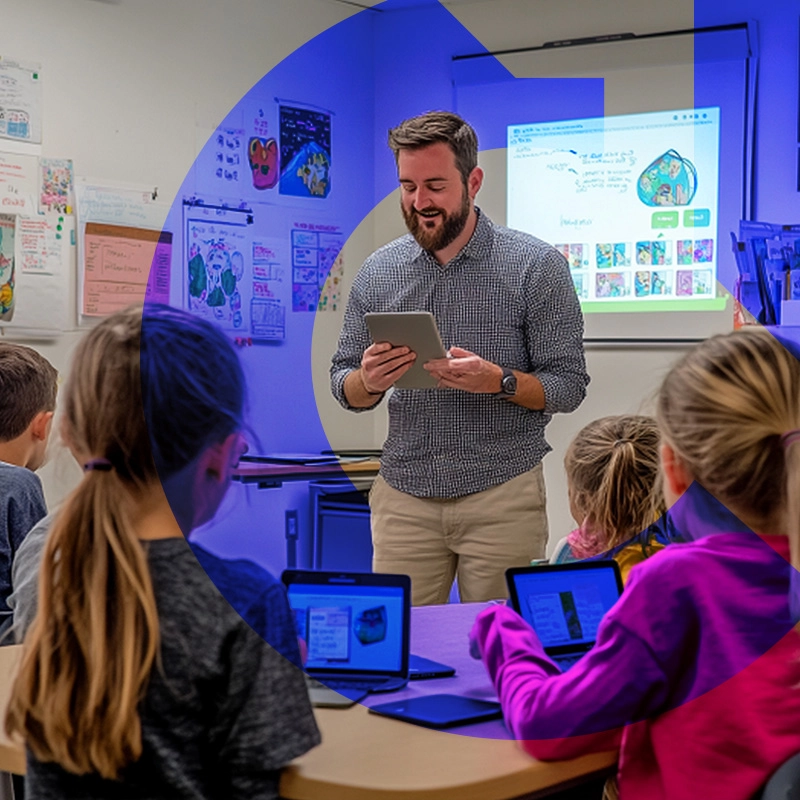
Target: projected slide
{"points": [[630, 201]]}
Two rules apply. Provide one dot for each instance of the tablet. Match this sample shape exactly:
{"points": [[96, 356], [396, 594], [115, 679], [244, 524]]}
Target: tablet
{"points": [[440, 710], [421, 668], [413, 329]]}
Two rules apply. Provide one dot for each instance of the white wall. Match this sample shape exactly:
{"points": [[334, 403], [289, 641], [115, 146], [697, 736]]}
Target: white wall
{"points": [[132, 88]]}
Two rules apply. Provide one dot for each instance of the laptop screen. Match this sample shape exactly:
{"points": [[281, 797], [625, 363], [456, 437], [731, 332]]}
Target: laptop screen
{"points": [[350, 627], [564, 604]]}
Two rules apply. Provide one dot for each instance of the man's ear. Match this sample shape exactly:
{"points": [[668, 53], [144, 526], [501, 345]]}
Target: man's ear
{"points": [[677, 478], [40, 425], [474, 182]]}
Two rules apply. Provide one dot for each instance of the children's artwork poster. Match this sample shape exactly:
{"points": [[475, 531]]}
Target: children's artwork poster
{"points": [[267, 308], [40, 244], [263, 156], [215, 259], [118, 262], [57, 181], [18, 184], [316, 248], [120, 240], [20, 101], [7, 278], [305, 152]]}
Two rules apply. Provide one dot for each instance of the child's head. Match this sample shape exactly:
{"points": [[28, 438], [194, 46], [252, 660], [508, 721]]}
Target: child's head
{"points": [[28, 385], [724, 411], [151, 393], [613, 477]]}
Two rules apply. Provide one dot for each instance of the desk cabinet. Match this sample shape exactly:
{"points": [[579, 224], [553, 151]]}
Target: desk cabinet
{"points": [[342, 540]]}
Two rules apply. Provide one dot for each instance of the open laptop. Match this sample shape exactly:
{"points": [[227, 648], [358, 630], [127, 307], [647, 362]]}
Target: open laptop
{"points": [[356, 626], [564, 604]]}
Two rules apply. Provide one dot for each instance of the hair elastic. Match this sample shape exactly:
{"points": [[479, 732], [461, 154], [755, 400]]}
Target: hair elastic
{"points": [[98, 464], [790, 437]]}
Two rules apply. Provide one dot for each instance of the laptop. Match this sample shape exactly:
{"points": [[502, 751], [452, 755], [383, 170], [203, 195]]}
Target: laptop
{"points": [[356, 626], [564, 604]]}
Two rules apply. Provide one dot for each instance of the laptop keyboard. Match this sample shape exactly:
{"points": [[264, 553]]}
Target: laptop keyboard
{"points": [[334, 684]]}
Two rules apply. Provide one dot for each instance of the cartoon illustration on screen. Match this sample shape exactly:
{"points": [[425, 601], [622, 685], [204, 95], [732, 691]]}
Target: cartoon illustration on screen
{"points": [[641, 284], [669, 180], [263, 156], [611, 284], [370, 625], [685, 280]]}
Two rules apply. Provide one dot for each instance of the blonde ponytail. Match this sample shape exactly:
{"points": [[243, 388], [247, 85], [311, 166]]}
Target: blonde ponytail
{"points": [[93, 643]]}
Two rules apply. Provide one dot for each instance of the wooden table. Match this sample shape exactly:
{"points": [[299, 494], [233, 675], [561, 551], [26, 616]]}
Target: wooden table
{"points": [[366, 757]]}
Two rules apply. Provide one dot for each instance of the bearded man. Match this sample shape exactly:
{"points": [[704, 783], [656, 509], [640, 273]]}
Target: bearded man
{"points": [[461, 491]]}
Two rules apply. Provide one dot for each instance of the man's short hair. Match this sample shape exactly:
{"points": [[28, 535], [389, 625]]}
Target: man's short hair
{"points": [[438, 126], [28, 386]]}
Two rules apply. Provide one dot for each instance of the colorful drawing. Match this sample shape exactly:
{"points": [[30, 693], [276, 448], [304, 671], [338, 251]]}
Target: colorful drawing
{"points": [[641, 284], [56, 185], [7, 296], [685, 252], [661, 282], [622, 255], [701, 282], [604, 255], [644, 253], [263, 157], [670, 180], [305, 155], [703, 251], [370, 625], [611, 284], [661, 252], [685, 279], [581, 282], [215, 268], [576, 256]]}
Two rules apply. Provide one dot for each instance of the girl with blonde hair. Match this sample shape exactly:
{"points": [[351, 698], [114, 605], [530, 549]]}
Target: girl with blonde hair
{"points": [[695, 671], [614, 493], [138, 679]]}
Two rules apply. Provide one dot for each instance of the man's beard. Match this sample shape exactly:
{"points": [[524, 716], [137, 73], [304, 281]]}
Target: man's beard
{"points": [[452, 225]]}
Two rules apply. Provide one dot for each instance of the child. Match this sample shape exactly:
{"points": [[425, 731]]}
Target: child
{"points": [[614, 493], [138, 679], [28, 384], [695, 671]]}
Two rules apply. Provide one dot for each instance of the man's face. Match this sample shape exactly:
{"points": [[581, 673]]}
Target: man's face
{"points": [[433, 198]]}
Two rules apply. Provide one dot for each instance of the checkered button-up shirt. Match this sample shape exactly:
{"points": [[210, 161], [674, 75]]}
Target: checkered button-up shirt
{"points": [[506, 296]]}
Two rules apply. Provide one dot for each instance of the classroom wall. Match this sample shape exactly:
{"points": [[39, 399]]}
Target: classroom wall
{"points": [[132, 89], [625, 379]]}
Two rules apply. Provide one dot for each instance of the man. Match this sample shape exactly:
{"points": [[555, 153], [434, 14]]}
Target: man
{"points": [[461, 489]]}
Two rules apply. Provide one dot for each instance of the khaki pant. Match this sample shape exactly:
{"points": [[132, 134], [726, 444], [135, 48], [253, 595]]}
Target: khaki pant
{"points": [[476, 537]]}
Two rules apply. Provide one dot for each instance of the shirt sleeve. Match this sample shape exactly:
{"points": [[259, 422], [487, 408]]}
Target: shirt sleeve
{"points": [[563, 715], [265, 719], [554, 333], [23, 600], [353, 340]]}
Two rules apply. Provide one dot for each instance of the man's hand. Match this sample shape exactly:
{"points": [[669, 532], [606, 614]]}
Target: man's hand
{"points": [[466, 371], [382, 365]]}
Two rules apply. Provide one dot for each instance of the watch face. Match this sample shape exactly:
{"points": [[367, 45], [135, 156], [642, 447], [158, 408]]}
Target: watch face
{"points": [[509, 384]]}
